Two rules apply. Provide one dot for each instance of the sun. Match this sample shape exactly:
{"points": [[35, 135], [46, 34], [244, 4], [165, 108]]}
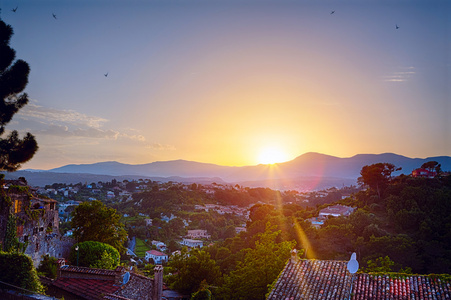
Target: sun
{"points": [[272, 155]]}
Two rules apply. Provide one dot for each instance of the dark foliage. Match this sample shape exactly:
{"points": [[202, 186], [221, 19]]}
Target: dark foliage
{"points": [[93, 221], [13, 79], [48, 266], [22, 275], [90, 254]]}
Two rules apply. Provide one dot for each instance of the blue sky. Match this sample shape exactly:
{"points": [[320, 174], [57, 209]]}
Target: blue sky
{"points": [[225, 81]]}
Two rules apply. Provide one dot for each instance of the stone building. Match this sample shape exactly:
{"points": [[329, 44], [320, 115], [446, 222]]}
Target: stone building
{"points": [[37, 221]]}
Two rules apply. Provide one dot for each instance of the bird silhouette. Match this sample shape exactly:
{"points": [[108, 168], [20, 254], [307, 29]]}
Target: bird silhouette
{"points": [[332, 12], [14, 9], [106, 75], [397, 27], [54, 16]]}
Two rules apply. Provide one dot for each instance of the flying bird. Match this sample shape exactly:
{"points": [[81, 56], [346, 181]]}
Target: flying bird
{"points": [[106, 75], [14, 9], [332, 12], [54, 16], [397, 27]]}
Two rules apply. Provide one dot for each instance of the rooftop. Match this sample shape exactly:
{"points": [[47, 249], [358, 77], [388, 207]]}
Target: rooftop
{"points": [[87, 288], [328, 279], [90, 283], [156, 253]]}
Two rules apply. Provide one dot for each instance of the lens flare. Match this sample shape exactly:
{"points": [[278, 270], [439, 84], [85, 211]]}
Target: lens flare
{"points": [[305, 243], [272, 155]]}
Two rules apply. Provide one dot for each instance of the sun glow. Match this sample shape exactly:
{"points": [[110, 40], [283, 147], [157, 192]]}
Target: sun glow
{"points": [[272, 155]]}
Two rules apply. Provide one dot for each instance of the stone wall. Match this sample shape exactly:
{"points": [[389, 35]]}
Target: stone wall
{"points": [[41, 235], [37, 224]]}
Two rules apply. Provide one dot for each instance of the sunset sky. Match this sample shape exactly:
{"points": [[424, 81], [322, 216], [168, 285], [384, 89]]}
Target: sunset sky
{"points": [[221, 81]]}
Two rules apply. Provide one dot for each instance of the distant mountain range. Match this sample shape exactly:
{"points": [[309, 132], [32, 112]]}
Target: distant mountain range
{"points": [[304, 172]]}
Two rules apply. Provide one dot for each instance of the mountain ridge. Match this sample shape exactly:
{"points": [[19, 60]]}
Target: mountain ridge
{"points": [[309, 165]]}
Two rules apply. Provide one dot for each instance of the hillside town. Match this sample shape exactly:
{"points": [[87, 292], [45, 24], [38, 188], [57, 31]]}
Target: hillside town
{"points": [[153, 239]]}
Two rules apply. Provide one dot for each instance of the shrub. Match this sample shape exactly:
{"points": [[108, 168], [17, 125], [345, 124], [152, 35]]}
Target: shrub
{"points": [[48, 266], [91, 254], [23, 274]]}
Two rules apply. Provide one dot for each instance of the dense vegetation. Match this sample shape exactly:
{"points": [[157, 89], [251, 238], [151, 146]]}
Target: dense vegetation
{"points": [[23, 274], [93, 221], [399, 224], [94, 254]]}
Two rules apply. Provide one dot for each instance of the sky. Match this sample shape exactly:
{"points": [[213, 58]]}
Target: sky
{"points": [[232, 82]]}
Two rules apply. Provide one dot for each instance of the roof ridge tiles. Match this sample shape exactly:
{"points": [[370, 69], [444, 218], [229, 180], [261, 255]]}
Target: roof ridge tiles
{"points": [[86, 270]]}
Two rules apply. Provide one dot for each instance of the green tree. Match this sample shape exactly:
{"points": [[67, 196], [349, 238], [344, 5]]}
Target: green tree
{"points": [[377, 176], [193, 269], [106, 261], [260, 267], [93, 221], [203, 293], [432, 166], [10, 242], [13, 79], [48, 266], [94, 255], [381, 264]]}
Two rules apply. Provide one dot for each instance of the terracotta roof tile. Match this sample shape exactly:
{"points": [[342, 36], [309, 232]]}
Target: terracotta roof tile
{"points": [[327, 279], [84, 270], [157, 253], [86, 288]]}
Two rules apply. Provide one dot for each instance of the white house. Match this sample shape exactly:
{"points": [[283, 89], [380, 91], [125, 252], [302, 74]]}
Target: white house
{"points": [[240, 229], [157, 256], [192, 243], [198, 234], [160, 245], [336, 211]]}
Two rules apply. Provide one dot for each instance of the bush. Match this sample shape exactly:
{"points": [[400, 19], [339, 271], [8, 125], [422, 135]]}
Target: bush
{"points": [[48, 266], [95, 254], [23, 274]]}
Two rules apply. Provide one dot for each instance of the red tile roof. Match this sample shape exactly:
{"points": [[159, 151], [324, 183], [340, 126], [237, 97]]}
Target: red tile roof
{"points": [[327, 279], [90, 271], [87, 288], [367, 286], [156, 253], [308, 279], [91, 284]]}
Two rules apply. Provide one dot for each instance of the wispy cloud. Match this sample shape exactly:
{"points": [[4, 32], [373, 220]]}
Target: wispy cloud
{"points": [[49, 115], [90, 132], [69, 123], [405, 74], [157, 146]]}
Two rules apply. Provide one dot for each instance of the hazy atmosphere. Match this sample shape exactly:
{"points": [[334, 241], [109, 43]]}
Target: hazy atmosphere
{"points": [[225, 82]]}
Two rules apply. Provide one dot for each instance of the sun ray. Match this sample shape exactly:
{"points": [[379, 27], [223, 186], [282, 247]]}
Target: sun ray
{"points": [[305, 243]]}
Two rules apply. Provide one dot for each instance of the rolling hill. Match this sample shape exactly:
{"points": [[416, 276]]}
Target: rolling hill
{"points": [[309, 167]]}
